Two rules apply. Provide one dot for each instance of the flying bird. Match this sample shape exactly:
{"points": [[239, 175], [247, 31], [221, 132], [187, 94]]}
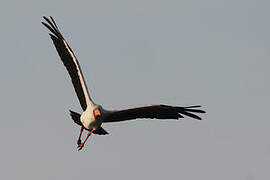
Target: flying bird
{"points": [[94, 114]]}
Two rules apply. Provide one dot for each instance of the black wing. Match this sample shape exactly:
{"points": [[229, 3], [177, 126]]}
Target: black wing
{"points": [[153, 112], [70, 61]]}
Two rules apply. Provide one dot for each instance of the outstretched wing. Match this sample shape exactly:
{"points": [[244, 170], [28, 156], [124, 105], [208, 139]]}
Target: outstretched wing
{"points": [[70, 61], [153, 112]]}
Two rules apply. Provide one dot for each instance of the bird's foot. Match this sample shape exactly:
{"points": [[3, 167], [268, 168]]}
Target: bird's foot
{"points": [[80, 146], [79, 142]]}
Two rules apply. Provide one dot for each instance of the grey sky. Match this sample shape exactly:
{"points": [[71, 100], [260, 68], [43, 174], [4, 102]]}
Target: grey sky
{"points": [[213, 53]]}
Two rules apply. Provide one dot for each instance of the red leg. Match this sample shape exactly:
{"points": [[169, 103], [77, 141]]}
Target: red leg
{"points": [[82, 144], [79, 139]]}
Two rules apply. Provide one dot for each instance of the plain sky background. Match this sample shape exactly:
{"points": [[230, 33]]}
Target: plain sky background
{"points": [[213, 52]]}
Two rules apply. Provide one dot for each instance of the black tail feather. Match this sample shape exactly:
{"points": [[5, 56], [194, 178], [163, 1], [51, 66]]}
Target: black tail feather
{"points": [[76, 117], [100, 131]]}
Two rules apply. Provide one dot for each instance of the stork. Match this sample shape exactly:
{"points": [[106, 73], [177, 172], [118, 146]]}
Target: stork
{"points": [[94, 114]]}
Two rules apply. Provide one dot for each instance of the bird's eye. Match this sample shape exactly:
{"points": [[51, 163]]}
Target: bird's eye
{"points": [[96, 112]]}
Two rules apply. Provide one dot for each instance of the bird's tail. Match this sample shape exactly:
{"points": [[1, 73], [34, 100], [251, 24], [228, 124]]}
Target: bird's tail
{"points": [[76, 117]]}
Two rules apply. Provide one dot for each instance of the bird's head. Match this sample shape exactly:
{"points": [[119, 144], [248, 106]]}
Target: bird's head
{"points": [[96, 113]]}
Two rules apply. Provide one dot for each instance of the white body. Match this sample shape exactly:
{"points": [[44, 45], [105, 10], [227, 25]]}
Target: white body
{"points": [[88, 119]]}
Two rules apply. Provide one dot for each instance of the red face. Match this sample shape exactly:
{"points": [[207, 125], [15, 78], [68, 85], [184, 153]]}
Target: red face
{"points": [[96, 113]]}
